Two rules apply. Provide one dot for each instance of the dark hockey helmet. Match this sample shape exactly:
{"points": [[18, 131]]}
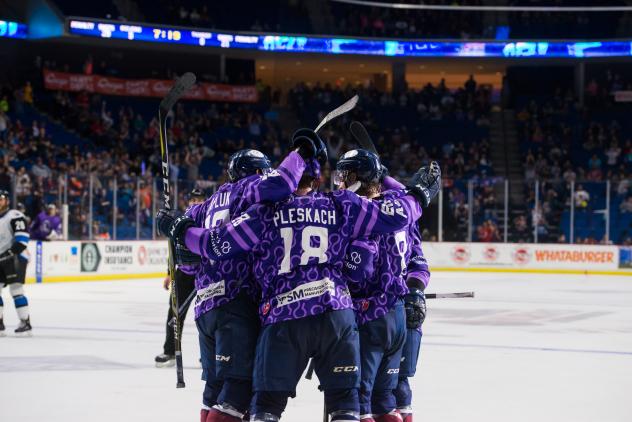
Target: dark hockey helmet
{"points": [[247, 162], [364, 164]]}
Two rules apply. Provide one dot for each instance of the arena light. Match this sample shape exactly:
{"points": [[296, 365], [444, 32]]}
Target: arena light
{"points": [[465, 8], [10, 29], [325, 45]]}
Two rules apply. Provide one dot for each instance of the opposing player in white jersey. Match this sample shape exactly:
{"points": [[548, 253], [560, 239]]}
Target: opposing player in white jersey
{"points": [[14, 238]]}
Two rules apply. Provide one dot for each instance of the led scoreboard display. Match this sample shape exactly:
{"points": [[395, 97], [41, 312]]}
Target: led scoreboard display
{"points": [[10, 29], [322, 45]]}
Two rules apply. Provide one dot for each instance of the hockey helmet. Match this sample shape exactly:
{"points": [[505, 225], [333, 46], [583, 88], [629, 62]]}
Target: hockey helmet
{"points": [[247, 162], [364, 164]]}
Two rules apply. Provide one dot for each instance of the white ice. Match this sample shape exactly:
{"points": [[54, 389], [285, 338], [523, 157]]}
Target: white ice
{"points": [[527, 348]]}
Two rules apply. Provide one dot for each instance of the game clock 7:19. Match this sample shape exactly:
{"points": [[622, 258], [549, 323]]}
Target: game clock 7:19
{"points": [[162, 34]]}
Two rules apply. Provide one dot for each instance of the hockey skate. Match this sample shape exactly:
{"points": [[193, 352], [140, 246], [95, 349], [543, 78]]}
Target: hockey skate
{"points": [[2, 332], [165, 361], [24, 329]]}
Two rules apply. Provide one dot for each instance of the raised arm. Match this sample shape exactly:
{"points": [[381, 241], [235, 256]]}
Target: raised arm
{"points": [[395, 211], [279, 183], [227, 241]]}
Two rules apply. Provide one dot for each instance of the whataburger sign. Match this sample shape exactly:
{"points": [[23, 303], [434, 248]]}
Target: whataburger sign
{"points": [[521, 256], [62, 81]]}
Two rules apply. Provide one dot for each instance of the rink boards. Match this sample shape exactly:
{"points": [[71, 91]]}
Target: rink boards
{"points": [[125, 260]]}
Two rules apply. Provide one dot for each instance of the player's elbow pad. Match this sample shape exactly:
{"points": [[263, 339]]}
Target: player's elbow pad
{"points": [[18, 248]]}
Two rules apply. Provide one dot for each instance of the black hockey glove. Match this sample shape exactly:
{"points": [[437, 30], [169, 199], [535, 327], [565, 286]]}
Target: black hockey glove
{"points": [[183, 256], [7, 256], [309, 145], [173, 224], [415, 305], [425, 184]]}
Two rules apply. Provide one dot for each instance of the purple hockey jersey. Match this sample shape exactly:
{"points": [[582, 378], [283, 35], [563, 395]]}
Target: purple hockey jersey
{"points": [[298, 246], [45, 226], [219, 282], [377, 267]]}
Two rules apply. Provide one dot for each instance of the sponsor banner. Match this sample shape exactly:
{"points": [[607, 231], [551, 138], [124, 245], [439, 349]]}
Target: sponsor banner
{"points": [[72, 261], [114, 257], [523, 256], [106, 85]]}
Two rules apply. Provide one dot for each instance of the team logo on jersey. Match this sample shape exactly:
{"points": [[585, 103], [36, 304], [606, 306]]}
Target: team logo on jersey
{"points": [[356, 258], [226, 247]]}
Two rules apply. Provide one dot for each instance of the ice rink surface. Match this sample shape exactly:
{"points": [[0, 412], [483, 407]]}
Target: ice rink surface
{"points": [[530, 348]]}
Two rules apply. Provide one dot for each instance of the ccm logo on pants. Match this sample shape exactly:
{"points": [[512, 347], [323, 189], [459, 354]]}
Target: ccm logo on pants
{"points": [[345, 369], [221, 358]]}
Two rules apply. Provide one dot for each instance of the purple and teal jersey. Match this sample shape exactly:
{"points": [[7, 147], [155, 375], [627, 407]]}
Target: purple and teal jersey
{"points": [[298, 246], [219, 282], [377, 267], [44, 226]]}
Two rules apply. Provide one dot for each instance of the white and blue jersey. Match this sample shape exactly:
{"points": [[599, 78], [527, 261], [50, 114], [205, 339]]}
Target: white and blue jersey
{"points": [[13, 230]]}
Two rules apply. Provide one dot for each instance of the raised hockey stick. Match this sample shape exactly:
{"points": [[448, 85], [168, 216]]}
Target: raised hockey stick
{"points": [[449, 295], [362, 136], [344, 108], [179, 88]]}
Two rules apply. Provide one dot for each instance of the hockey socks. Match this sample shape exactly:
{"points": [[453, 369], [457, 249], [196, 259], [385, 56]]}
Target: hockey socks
{"points": [[20, 301]]}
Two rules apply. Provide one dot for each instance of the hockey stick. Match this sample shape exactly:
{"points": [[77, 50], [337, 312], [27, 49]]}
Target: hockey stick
{"points": [[344, 108], [449, 295], [179, 88], [362, 136]]}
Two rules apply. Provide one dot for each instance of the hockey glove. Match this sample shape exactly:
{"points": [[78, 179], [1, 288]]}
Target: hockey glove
{"points": [[309, 145], [173, 224], [425, 184], [415, 305], [183, 256]]}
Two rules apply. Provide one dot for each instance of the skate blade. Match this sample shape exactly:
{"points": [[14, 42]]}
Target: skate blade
{"points": [[25, 334], [167, 364]]}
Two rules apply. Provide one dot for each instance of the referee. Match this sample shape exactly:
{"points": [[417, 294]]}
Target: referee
{"points": [[185, 284]]}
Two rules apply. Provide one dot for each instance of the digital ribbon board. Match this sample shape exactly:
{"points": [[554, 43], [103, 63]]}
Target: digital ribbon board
{"points": [[323, 45]]}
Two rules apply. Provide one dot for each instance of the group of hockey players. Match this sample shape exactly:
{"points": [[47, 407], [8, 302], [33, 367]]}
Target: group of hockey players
{"points": [[285, 273]]}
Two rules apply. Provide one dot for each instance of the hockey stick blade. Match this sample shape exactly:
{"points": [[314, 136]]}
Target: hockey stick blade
{"points": [[449, 295], [345, 108], [179, 88], [362, 136]]}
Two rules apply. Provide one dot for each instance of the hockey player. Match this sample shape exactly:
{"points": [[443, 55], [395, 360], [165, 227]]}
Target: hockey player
{"points": [[185, 283], [13, 260], [417, 279], [225, 309], [298, 250], [47, 225], [376, 267]]}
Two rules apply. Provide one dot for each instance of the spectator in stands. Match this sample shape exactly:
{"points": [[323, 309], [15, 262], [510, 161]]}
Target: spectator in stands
{"points": [[582, 197], [41, 170], [488, 232], [23, 183], [47, 225]]}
